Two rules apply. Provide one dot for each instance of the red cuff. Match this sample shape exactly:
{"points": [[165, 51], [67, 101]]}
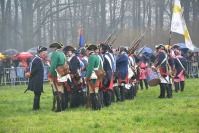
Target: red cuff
{"points": [[87, 80], [50, 76]]}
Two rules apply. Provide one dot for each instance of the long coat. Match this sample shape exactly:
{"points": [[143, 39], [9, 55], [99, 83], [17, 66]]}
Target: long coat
{"points": [[37, 73], [108, 68], [93, 62], [122, 66]]}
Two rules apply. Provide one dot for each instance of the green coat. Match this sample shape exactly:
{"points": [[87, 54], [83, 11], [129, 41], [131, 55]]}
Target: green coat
{"points": [[57, 59], [93, 62]]}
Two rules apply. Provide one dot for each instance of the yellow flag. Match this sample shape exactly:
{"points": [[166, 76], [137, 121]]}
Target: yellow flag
{"points": [[176, 22]]}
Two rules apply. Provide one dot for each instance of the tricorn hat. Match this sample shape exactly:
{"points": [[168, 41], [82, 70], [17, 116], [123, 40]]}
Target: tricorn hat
{"points": [[41, 48], [175, 46], [69, 48], [91, 47], [56, 45], [105, 47], [159, 46]]}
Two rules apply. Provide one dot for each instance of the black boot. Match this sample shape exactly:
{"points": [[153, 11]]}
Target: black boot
{"points": [[135, 89], [59, 103], [176, 86], [122, 93], [171, 90], [141, 85], [146, 84], [131, 90], [63, 102], [113, 95], [107, 98], [162, 90], [117, 93], [168, 90], [101, 96], [95, 104], [182, 85], [36, 104]]}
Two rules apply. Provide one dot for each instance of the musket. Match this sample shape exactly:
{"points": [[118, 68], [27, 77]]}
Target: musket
{"points": [[113, 40], [141, 50], [136, 44], [109, 37]]}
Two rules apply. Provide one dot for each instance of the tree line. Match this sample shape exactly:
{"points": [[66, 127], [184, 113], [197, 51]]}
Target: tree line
{"points": [[28, 23]]}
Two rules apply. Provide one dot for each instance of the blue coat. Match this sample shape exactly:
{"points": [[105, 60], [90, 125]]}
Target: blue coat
{"points": [[37, 73], [122, 66], [178, 66], [107, 65], [160, 58]]}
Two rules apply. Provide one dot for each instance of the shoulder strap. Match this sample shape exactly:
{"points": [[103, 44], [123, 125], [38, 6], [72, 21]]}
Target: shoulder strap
{"points": [[180, 63]]}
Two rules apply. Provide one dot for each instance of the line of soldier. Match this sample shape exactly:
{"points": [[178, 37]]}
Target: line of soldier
{"points": [[124, 72]]}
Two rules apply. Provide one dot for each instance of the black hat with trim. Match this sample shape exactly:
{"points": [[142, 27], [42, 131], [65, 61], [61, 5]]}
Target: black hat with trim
{"points": [[69, 48], [91, 47], [159, 46], [56, 45], [175, 46], [41, 48]]}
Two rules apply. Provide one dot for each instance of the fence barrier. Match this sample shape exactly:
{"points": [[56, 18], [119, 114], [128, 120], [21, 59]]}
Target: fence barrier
{"points": [[16, 75], [192, 68]]}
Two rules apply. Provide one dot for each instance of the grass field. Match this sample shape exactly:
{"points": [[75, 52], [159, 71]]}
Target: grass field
{"points": [[144, 114]]}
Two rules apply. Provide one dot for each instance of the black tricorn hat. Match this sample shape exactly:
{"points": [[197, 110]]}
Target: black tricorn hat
{"points": [[159, 46], [41, 48], [69, 48], [56, 45], [175, 46], [105, 47], [91, 47]]}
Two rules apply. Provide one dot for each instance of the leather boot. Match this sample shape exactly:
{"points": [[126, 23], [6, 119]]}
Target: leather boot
{"points": [[122, 93], [162, 90], [36, 103], [168, 91], [182, 85], [176, 86], [146, 84], [117, 93], [141, 85]]}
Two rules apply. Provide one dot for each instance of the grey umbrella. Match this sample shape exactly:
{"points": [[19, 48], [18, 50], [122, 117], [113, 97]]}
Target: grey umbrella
{"points": [[10, 52], [32, 50]]}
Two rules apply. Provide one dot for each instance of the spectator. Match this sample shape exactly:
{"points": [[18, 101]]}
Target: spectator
{"points": [[12, 75]]}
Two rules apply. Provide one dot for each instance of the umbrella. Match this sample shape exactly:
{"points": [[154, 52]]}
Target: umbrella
{"points": [[10, 52], [32, 50], [195, 49], [23, 55], [146, 50], [2, 56], [182, 45]]}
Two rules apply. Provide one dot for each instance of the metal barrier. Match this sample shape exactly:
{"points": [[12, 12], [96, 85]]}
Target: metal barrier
{"points": [[16, 75], [192, 68]]}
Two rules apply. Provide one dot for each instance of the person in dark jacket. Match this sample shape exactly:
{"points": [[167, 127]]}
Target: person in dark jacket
{"points": [[122, 71], [35, 76]]}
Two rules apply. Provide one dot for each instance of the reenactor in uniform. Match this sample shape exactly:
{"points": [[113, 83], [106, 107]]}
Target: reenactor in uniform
{"points": [[58, 59], [161, 66], [35, 75], [180, 65], [93, 82], [122, 71], [75, 73], [107, 81]]}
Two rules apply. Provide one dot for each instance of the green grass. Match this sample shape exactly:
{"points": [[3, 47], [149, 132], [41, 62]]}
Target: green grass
{"points": [[144, 114]]}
